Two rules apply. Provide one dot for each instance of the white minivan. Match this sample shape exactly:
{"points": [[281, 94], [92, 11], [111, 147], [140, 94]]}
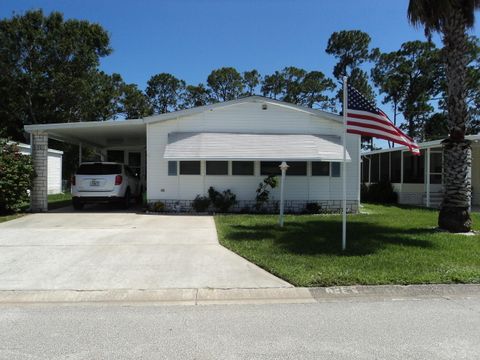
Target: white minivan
{"points": [[100, 182]]}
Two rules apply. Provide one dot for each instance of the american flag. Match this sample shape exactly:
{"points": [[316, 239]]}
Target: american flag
{"points": [[364, 118]]}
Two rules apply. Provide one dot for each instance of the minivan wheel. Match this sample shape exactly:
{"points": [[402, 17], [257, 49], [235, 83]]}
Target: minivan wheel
{"points": [[77, 204], [126, 199]]}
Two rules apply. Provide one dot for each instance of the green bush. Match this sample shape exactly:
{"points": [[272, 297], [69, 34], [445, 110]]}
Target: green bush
{"points": [[381, 192], [223, 201], [201, 203], [312, 208], [263, 191], [16, 177], [157, 206]]}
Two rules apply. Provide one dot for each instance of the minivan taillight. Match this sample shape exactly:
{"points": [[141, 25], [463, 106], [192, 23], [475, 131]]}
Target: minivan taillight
{"points": [[118, 180], [72, 180]]}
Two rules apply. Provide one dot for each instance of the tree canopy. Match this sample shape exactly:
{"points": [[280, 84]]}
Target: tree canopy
{"points": [[49, 70]]}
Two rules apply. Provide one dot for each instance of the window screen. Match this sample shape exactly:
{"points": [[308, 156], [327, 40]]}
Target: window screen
{"points": [[336, 169], [242, 167], [436, 162], [385, 166], [396, 166], [172, 168], [217, 167], [413, 168], [297, 168], [365, 169], [189, 167], [320, 168], [374, 175], [116, 156], [270, 168]]}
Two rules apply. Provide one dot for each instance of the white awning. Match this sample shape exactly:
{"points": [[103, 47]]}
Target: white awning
{"points": [[267, 147]]}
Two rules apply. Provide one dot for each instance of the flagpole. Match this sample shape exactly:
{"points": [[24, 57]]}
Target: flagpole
{"points": [[344, 167]]}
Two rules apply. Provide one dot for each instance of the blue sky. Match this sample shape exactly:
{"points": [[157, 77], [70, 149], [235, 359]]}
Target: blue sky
{"points": [[190, 38]]}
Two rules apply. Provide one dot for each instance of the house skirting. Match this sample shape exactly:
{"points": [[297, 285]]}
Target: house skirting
{"points": [[249, 206]]}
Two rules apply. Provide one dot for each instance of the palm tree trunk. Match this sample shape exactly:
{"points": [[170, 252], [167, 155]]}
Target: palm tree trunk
{"points": [[454, 214]]}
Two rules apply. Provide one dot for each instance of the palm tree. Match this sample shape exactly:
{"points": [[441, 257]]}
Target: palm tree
{"points": [[452, 19]]}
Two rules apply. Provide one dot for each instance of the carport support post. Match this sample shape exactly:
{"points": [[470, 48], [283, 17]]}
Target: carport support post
{"points": [[283, 166], [80, 148], [38, 195]]}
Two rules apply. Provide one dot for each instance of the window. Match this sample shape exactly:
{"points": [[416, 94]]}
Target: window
{"points": [[297, 168], [189, 167], [242, 167], [135, 162], [374, 173], [116, 156], [336, 169], [172, 168], [270, 168], [365, 169], [99, 169], [129, 172], [320, 168], [413, 168], [396, 166], [384, 166], [217, 167]]}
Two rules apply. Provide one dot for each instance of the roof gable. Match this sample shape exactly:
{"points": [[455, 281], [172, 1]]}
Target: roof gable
{"points": [[249, 99]]}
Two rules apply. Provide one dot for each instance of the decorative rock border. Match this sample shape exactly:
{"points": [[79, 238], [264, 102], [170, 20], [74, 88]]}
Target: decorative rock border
{"points": [[249, 206]]}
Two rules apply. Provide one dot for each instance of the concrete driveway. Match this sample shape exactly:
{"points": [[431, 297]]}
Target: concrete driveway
{"points": [[102, 250]]}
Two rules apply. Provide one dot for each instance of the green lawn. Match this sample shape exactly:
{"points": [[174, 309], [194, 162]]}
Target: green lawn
{"points": [[56, 201], [4, 218], [386, 245]]}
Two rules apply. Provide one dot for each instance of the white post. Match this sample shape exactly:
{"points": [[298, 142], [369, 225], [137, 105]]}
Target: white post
{"points": [[79, 154], [344, 167], [283, 166], [427, 180]]}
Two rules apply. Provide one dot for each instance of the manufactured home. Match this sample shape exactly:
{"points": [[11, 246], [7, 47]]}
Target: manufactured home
{"points": [[231, 145], [54, 163], [417, 179]]}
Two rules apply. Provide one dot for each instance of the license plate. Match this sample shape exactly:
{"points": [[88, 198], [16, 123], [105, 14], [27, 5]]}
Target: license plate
{"points": [[94, 183]]}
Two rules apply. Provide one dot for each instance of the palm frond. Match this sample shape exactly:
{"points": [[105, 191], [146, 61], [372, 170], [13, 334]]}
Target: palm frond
{"points": [[431, 14]]}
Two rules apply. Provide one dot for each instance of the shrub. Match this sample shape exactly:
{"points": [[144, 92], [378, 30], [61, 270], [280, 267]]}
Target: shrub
{"points": [[222, 201], [263, 191], [16, 177], [312, 208], [201, 203], [157, 206], [381, 192]]}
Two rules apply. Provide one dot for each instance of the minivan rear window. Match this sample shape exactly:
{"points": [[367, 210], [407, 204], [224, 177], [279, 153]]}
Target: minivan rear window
{"points": [[99, 169]]}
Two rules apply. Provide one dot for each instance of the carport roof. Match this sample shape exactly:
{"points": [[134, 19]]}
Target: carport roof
{"points": [[100, 134]]}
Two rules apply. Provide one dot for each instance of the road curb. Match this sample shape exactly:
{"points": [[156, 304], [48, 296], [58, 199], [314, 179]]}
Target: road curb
{"points": [[394, 292], [209, 296]]}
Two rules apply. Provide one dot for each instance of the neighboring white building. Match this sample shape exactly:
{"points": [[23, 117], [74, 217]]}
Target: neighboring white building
{"points": [[231, 145], [54, 167], [417, 179]]}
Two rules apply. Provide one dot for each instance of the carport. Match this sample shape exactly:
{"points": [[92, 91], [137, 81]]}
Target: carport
{"points": [[109, 139]]}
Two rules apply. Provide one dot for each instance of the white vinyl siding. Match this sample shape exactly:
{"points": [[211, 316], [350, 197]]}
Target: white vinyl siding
{"points": [[248, 118]]}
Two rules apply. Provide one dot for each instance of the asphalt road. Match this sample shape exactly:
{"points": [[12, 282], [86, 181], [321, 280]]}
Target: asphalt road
{"points": [[434, 328]]}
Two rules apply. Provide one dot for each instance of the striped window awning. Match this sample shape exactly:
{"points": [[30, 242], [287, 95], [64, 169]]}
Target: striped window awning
{"points": [[248, 146]]}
